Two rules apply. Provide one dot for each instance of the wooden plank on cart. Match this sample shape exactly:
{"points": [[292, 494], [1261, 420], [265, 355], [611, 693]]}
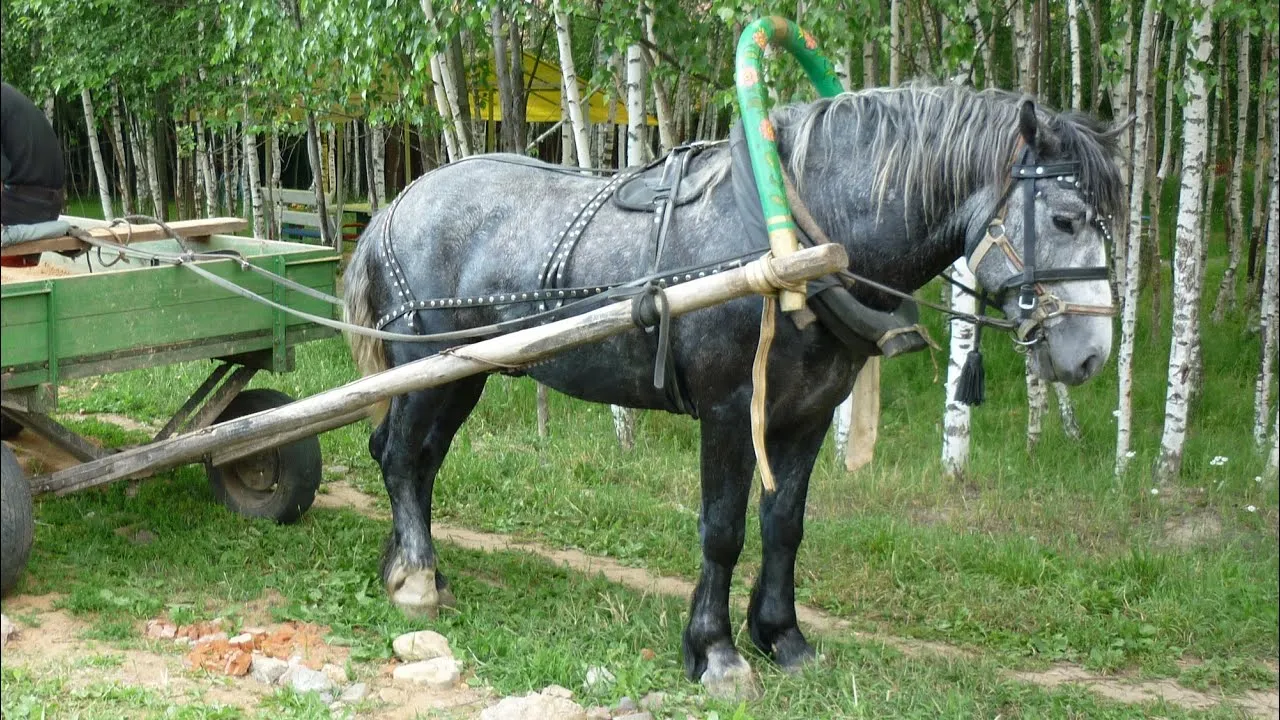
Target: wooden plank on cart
{"points": [[191, 229], [342, 405]]}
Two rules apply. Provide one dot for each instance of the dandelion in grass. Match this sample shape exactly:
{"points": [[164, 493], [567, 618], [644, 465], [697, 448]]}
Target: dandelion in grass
{"points": [[1155, 491], [1131, 454], [1251, 508], [1218, 461], [1257, 478]]}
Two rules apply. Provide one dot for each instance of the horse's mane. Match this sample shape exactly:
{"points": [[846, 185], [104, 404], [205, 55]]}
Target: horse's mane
{"points": [[942, 143]]}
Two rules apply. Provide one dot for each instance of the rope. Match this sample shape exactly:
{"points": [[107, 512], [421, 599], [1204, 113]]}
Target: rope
{"points": [[759, 388]]}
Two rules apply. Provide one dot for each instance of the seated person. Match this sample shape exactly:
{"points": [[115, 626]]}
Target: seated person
{"points": [[30, 166]]}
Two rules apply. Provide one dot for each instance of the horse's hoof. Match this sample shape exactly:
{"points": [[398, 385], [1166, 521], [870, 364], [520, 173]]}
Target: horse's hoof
{"points": [[414, 592], [728, 676], [793, 653], [445, 598]]}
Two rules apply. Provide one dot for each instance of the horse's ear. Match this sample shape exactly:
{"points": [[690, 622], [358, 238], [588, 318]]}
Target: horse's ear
{"points": [[1119, 129], [1027, 122]]}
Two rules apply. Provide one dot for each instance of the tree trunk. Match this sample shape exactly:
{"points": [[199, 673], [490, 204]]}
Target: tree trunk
{"points": [[863, 417], [228, 172], [252, 179], [1186, 290], [895, 42], [1037, 404], [572, 98], [1073, 27], [1133, 254], [205, 170], [1256, 232], [99, 165], [1095, 58], [327, 234], [122, 157], [378, 165], [1235, 240], [510, 76], [153, 172], [1270, 285], [1273, 457], [955, 418], [661, 97], [871, 52], [1066, 409], [637, 152], [277, 169], [442, 65]]}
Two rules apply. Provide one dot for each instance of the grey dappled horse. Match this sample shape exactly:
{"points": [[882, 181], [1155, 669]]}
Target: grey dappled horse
{"points": [[906, 180]]}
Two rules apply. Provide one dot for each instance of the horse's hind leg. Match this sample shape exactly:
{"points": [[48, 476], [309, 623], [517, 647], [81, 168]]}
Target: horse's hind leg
{"points": [[410, 446], [771, 616], [727, 466]]}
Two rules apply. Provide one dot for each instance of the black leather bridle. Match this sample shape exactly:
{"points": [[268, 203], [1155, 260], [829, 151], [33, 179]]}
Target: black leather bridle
{"points": [[1036, 305]]}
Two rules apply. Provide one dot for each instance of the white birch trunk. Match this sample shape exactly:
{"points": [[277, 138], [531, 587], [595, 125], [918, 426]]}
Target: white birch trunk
{"points": [[442, 104], [895, 40], [204, 168], [1073, 26], [252, 178], [955, 418], [1261, 143], [1186, 293], [1273, 457], [122, 157], [1235, 200], [99, 166], [636, 150], [572, 98], [1133, 253], [1021, 46], [869, 50], [1067, 410], [1270, 285], [1037, 404], [842, 70], [153, 174], [661, 98], [49, 105], [378, 178], [442, 65]]}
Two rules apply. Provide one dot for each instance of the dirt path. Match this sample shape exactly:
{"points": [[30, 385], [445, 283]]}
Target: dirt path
{"points": [[1257, 704]]}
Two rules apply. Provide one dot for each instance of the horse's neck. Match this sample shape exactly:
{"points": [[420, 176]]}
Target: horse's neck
{"points": [[896, 243]]}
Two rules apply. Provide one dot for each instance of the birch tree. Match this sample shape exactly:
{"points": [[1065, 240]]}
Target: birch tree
{"points": [[895, 42], [1073, 29], [1133, 254], [1186, 260], [95, 150], [955, 419], [636, 150], [122, 158], [1235, 204], [1270, 285], [252, 178], [572, 97], [444, 75]]}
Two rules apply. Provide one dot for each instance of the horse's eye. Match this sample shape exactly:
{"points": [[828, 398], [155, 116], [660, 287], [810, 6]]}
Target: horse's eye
{"points": [[1065, 224]]}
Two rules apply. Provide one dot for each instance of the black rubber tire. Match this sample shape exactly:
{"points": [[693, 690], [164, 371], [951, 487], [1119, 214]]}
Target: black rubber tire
{"points": [[9, 428], [279, 483], [16, 523]]}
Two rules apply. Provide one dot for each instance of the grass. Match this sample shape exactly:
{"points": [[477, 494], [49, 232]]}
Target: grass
{"points": [[522, 622], [1032, 557]]}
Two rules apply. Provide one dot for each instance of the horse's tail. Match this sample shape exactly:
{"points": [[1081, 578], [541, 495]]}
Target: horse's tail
{"points": [[368, 352]]}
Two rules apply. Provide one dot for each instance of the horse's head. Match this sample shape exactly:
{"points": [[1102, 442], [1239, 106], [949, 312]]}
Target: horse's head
{"points": [[1043, 252]]}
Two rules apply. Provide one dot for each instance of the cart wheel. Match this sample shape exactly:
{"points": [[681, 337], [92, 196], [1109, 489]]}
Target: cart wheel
{"points": [[9, 428], [15, 520], [279, 483]]}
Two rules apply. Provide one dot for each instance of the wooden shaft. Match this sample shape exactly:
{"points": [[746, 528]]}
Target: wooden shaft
{"points": [[191, 229], [512, 350]]}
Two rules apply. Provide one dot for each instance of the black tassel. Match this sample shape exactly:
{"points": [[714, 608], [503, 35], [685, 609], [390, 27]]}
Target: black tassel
{"points": [[972, 388]]}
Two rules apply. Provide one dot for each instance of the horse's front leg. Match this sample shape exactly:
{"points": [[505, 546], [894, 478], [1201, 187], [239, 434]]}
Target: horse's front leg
{"points": [[410, 446], [771, 616], [727, 466]]}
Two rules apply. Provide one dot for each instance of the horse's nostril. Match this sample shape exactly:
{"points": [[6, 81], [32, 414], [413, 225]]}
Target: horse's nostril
{"points": [[1091, 365]]}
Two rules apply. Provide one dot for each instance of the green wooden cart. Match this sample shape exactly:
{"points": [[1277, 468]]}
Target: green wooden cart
{"points": [[100, 314]]}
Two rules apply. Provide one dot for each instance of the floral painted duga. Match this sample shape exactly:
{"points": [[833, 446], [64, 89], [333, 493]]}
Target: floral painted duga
{"points": [[761, 139]]}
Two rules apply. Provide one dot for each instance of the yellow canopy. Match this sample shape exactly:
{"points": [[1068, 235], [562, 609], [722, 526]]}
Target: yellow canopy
{"points": [[542, 104]]}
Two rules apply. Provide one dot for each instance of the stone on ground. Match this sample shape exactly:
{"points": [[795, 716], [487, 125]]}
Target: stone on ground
{"points": [[7, 630], [437, 673], [354, 693], [421, 645], [599, 676], [267, 670], [534, 706], [303, 679]]}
